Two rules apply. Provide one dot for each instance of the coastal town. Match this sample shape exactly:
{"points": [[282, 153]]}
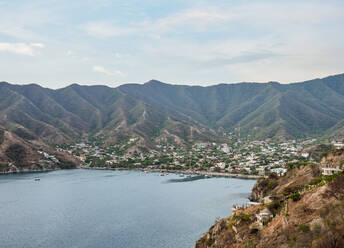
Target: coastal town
{"points": [[236, 157]]}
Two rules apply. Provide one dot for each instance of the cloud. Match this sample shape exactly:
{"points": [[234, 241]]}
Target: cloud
{"points": [[21, 48], [104, 29], [244, 57], [196, 18], [37, 45], [101, 69], [198, 41]]}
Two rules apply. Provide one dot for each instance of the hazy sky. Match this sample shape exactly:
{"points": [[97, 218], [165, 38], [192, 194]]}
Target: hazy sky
{"points": [[59, 42]]}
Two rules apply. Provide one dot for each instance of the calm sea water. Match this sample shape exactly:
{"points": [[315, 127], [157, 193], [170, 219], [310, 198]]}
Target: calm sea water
{"points": [[88, 208]]}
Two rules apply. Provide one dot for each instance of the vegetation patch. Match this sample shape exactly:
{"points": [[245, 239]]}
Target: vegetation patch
{"points": [[295, 196], [243, 217], [66, 164], [16, 153], [304, 228], [275, 207]]}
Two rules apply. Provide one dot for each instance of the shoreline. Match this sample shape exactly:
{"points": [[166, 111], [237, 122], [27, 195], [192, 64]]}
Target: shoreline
{"points": [[200, 173], [30, 171], [189, 172]]}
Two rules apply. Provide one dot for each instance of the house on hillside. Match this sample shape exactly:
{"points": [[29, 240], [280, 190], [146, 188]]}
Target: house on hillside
{"points": [[327, 171], [279, 171], [264, 216], [337, 144]]}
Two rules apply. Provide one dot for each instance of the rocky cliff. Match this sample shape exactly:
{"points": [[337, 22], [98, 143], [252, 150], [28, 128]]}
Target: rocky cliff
{"points": [[301, 209]]}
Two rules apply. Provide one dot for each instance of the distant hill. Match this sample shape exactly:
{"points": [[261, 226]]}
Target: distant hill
{"points": [[185, 113]]}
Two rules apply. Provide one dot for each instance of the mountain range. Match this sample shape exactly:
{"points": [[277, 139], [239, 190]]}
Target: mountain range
{"points": [[156, 110]]}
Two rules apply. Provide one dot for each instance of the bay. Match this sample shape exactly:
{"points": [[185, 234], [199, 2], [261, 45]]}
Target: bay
{"points": [[122, 209]]}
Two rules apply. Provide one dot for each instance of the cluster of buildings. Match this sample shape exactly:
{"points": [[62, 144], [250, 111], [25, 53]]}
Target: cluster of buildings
{"points": [[237, 157]]}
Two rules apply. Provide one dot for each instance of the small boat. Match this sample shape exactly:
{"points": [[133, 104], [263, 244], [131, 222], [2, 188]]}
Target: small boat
{"points": [[37, 179]]}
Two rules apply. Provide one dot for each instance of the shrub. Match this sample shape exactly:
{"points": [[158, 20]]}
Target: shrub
{"points": [[329, 178], [275, 206], [295, 196], [243, 217], [272, 185], [273, 176], [210, 242], [303, 228], [341, 165], [290, 166], [292, 189]]}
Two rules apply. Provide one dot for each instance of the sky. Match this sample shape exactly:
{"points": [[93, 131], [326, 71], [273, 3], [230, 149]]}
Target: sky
{"points": [[55, 43]]}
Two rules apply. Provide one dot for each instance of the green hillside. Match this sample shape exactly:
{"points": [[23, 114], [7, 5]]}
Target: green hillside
{"points": [[263, 110]]}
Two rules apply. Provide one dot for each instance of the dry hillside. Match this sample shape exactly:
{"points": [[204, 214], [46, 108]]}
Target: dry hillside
{"points": [[307, 210], [22, 155]]}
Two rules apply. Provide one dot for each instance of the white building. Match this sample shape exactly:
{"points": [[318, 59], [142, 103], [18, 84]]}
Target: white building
{"points": [[225, 148], [338, 145], [264, 216], [279, 171], [330, 171], [220, 165], [305, 154]]}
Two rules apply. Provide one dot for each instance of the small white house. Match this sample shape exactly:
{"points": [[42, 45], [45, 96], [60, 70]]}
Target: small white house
{"points": [[264, 216], [279, 171], [220, 165], [330, 171], [338, 145], [225, 148], [305, 154]]}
